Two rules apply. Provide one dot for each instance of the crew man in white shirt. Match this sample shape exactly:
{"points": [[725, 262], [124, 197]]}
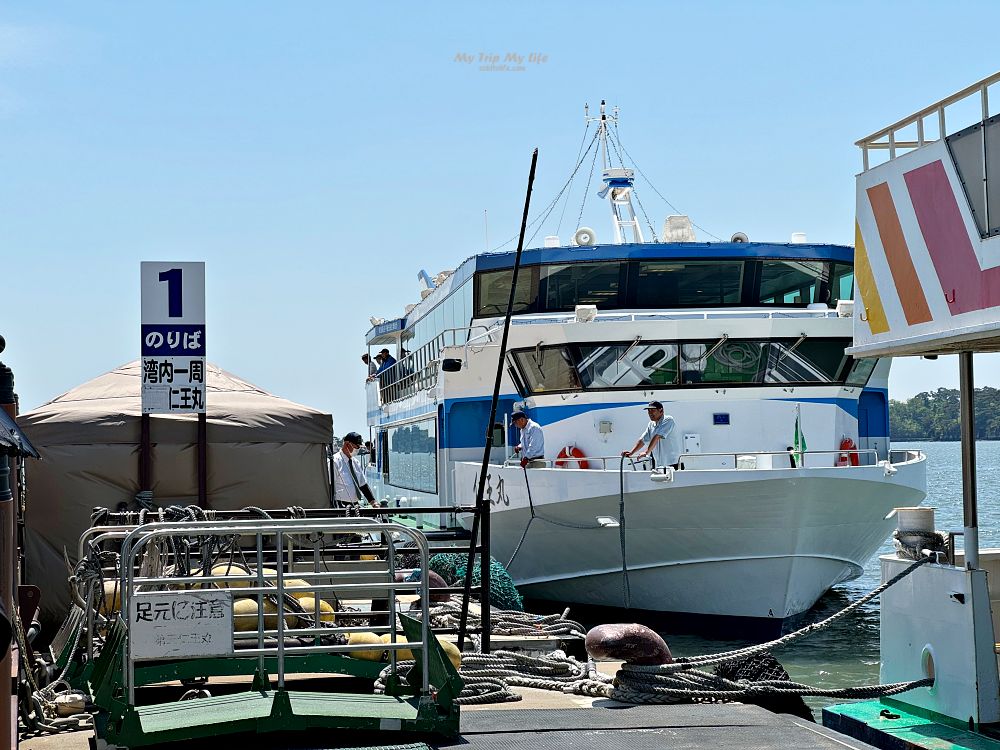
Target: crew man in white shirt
{"points": [[661, 438], [532, 445], [349, 483]]}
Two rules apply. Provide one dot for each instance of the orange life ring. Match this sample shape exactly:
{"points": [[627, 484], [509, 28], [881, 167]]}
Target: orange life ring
{"points": [[571, 451], [847, 459]]}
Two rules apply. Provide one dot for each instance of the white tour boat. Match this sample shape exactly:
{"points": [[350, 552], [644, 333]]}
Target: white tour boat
{"points": [[743, 342]]}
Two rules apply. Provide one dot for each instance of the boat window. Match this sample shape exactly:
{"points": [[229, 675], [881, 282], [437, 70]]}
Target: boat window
{"points": [[841, 283], [412, 455], [626, 365], [548, 368], [790, 282], [493, 292], [861, 370], [686, 283], [806, 361], [722, 361], [728, 362], [665, 284], [567, 286]]}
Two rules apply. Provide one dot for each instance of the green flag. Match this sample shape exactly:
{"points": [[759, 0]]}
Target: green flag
{"points": [[799, 443]]}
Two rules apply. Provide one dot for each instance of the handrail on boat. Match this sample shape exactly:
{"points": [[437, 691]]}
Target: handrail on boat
{"points": [[418, 370], [648, 315], [550, 462], [895, 456]]}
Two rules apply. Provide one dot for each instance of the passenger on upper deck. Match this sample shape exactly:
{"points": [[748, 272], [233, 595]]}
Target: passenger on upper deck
{"points": [[532, 445], [661, 436], [386, 361], [372, 367]]}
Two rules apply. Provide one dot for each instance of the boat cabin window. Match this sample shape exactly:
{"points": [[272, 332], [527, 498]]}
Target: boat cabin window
{"points": [[688, 283], [861, 371], [664, 284], [493, 291], [793, 282], [567, 286], [728, 362], [412, 455]]}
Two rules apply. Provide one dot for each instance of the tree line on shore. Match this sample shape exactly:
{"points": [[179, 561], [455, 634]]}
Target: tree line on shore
{"points": [[934, 415]]}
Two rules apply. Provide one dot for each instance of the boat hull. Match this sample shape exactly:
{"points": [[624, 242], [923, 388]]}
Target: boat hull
{"points": [[754, 543]]}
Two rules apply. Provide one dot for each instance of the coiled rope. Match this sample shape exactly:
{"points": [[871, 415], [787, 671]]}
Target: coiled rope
{"points": [[507, 621], [489, 677]]}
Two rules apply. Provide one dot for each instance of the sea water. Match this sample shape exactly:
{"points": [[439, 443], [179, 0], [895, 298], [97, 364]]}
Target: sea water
{"points": [[847, 654]]}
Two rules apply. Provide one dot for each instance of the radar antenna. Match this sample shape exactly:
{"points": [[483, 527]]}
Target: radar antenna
{"points": [[618, 181]]}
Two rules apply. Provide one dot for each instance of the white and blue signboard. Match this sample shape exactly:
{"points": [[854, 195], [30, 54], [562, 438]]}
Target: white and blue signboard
{"points": [[173, 337]]}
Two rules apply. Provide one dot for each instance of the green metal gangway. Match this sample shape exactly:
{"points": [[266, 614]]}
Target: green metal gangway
{"points": [[245, 611]]}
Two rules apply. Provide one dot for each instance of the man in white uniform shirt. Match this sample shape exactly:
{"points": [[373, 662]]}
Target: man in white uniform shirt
{"points": [[349, 483], [532, 445], [661, 438]]}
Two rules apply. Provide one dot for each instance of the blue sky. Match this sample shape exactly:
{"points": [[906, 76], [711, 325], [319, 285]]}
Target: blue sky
{"points": [[317, 155]]}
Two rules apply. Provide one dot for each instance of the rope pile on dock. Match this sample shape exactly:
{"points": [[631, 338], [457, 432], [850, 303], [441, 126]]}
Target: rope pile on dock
{"points": [[489, 677], [506, 621]]}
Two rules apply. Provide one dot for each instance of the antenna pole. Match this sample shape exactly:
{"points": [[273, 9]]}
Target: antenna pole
{"points": [[486, 229], [618, 182]]}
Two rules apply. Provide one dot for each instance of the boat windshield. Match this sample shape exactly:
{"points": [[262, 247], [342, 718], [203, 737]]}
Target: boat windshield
{"points": [[729, 362], [664, 284]]}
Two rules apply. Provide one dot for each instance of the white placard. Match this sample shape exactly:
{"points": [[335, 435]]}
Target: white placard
{"points": [[166, 624], [173, 337], [172, 292]]}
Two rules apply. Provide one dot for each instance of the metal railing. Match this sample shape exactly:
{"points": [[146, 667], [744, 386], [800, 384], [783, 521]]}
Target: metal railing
{"points": [[866, 457], [257, 582], [120, 523], [642, 464], [418, 370], [640, 317], [870, 454], [886, 138]]}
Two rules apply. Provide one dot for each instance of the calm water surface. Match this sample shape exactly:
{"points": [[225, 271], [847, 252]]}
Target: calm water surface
{"points": [[848, 653]]}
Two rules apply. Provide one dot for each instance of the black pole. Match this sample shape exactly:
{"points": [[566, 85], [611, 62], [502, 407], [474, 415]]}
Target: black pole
{"points": [[481, 511], [145, 455], [202, 460], [967, 396]]}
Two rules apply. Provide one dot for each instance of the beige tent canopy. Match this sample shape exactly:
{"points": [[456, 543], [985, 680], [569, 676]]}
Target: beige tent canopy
{"points": [[262, 450]]}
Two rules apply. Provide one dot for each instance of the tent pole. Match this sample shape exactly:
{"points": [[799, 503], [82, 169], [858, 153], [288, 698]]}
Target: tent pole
{"points": [[145, 455], [968, 416], [202, 460]]}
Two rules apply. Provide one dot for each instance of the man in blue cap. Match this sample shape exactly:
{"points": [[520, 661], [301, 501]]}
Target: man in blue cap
{"points": [[662, 438], [532, 445]]}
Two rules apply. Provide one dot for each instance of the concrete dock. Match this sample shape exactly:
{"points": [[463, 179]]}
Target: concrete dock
{"points": [[555, 720]]}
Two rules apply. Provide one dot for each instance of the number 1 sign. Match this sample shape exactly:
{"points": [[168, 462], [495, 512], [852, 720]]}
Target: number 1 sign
{"points": [[173, 337]]}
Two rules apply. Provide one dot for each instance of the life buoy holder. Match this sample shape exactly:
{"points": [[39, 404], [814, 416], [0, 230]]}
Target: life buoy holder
{"points": [[571, 451], [848, 459]]}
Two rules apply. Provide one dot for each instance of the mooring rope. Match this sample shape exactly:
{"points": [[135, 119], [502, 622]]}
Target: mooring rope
{"points": [[489, 677], [507, 621]]}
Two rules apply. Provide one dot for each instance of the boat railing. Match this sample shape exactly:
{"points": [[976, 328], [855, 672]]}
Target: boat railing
{"points": [[418, 370], [633, 464], [842, 458], [887, 139], [741, 460], [904, 455], [640, 317]]}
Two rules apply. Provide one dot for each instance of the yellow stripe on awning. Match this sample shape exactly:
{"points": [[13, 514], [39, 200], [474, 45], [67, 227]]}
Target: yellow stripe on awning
{"points": [[865, 280]]}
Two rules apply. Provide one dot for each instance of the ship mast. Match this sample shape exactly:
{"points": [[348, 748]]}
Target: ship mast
{"points": [[618, 181]]}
